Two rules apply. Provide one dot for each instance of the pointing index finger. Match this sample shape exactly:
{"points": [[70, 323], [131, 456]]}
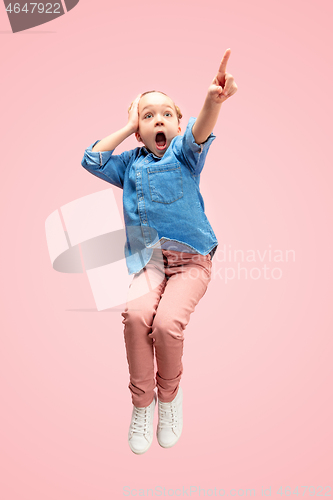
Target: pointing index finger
{"points": [[223, 65]]}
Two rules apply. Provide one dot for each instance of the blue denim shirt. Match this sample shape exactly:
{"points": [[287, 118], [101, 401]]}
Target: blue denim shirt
{"points": [[162, 202]]}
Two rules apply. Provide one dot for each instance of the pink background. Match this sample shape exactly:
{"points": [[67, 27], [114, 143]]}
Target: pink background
{"points": [[258, 352]]}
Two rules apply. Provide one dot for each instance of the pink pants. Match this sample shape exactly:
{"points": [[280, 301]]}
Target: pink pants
{"points": [[160, 300]]}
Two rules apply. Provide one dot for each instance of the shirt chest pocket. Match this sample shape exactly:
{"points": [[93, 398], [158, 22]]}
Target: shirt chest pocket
{"points": [[165, 183]]}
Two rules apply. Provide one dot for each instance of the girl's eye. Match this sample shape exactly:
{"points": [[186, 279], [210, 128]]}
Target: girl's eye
{"points": [[167, 113], [148, 115]]}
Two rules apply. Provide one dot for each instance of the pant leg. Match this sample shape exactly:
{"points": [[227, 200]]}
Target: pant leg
{"points": [[188, 276], [141, 306]]}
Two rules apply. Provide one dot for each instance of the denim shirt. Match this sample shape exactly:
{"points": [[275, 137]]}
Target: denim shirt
{"points": [[162, 203]]}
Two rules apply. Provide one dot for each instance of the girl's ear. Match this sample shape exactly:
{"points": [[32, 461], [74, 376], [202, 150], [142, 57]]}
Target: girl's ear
{"points": [[138, 138], [179, 129]]}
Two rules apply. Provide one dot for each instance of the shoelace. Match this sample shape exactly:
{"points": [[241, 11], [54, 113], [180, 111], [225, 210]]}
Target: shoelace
{"points": [[168, 416], [140, 420]]}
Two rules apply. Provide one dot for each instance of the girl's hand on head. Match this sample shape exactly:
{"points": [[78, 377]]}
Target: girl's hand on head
{"points": [[133, 114], [223, 86]]}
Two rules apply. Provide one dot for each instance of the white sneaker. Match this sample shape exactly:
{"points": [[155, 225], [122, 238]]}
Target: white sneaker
{"points": [[170, 421], [140, 434]]}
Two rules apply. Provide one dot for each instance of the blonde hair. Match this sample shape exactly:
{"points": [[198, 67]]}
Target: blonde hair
{"points": [[179, 113]]}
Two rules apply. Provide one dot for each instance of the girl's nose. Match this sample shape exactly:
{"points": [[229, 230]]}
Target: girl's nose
{"points": [[159, 120]]}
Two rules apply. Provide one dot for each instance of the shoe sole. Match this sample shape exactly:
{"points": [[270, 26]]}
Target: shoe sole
{"points": [[142, 451], [170, 445]]}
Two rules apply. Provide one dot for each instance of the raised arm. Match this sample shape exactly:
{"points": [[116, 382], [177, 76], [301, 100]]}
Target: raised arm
{"points": [[110, 142], [222, 87]]}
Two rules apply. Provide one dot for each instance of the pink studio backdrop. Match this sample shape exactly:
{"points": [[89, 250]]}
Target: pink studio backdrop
{"points": [[258, 349]]}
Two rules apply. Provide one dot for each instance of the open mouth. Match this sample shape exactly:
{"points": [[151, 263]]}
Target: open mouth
{"points": [[160, 140]]}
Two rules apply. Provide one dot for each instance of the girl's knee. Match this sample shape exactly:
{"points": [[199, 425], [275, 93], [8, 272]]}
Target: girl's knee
{"points": [[165, 327], [136, 317]]}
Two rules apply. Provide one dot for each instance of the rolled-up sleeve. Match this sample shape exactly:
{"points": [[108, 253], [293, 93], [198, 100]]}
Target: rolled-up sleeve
{"points": [[105, 165], [194, 154]]}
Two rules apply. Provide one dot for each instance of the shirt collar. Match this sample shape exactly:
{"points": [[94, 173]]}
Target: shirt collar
{"points": [[144, 151]]}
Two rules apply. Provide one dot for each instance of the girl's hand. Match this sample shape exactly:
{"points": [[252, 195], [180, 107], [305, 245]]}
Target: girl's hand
{"points": [[133, 114], [223, 86]]}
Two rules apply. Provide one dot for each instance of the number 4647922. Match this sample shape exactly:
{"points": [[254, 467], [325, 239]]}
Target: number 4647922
{"points": [[41, 8]]}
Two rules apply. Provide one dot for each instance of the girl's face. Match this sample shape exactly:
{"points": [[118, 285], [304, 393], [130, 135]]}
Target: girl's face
{"points": [[158, 122]]}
